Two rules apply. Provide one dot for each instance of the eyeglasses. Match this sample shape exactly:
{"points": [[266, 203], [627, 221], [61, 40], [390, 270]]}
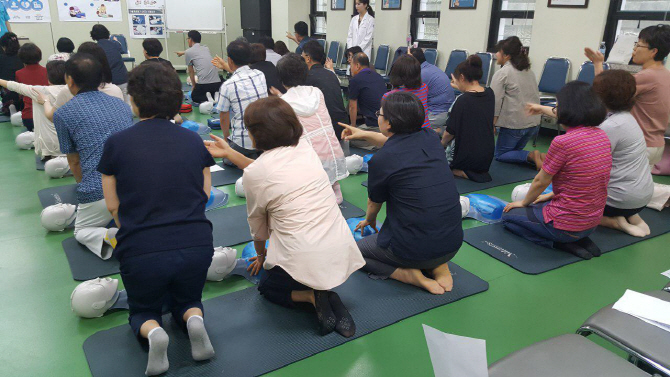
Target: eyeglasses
{"points": [[378, 113], [637, 44]]}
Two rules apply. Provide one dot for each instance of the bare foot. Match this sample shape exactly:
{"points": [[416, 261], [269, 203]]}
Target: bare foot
{"points": [[460, 173], [535, 157], [629, 228], [638, 222], [415, 277], [443, 277]]}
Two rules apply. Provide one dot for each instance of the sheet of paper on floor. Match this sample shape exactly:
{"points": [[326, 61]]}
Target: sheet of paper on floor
{"points": [[456, 356]]}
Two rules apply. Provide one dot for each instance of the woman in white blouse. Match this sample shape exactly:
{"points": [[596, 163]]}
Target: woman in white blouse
{"points": [[290, 202], [362, 27]]}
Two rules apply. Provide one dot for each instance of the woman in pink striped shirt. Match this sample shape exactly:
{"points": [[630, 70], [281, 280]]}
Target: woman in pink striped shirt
{"points": [[578, 164], [405, 76]]}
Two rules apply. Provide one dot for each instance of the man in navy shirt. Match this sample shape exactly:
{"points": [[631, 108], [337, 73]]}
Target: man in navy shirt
{"points": [[83, 125], [440, 93], [301, 35], [410, 173], [366, 89]]}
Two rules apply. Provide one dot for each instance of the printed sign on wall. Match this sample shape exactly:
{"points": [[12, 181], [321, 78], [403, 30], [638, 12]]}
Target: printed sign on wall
{"points": [[23, 11], [147, 18], [89, 10]]}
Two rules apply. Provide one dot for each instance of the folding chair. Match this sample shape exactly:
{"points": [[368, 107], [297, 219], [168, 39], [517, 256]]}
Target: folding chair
{"points": [[400, 51], [487, 67], [124, 45], [566, 355], [555, 75], [644, 343], [587, 72], [431, 55], [334, 52], [382, 59], [456, 57]]}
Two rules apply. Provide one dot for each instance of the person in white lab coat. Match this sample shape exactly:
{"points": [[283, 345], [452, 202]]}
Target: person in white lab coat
{"points": [[362, 27]]}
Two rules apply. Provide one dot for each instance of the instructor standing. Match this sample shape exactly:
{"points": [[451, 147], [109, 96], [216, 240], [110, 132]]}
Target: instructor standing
{"points": [[362, 27]]}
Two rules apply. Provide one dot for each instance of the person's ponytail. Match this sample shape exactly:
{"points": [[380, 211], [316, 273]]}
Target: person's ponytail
{"points": [[513, 47]]}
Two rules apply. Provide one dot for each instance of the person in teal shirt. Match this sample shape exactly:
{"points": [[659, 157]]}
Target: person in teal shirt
{"points": [[4, 19]]}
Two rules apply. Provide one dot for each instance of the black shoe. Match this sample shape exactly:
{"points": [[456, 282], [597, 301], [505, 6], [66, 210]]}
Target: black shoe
{"points": [[324, 312], [574, 249], [591, 247], [345, 323]]}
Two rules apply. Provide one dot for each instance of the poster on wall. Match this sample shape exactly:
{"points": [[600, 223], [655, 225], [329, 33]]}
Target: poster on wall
{"points": [[147, 18], [22, 11], [89, 10]]}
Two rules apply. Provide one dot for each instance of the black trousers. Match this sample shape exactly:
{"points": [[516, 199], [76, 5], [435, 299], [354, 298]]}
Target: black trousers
{"points": [[199, 93], [276, 286], [381, 263], [176, 277], [29, 124]]}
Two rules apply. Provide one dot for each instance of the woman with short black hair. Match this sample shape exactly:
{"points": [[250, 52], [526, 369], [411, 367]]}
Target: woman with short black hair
{"points": [[470, 124], [422, 230], [405, 76], [156, 182], [32, 74], [65, 48], [290, 203], [9, 64], [578, 166], [114, 52]]}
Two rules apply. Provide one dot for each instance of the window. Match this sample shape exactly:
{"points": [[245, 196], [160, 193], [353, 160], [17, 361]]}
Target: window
{"points": [[425, 24], [317, 16], [511, 17], [631, 16]]}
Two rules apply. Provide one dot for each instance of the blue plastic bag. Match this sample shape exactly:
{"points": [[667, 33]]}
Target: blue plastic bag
{"points": [[485, 208], [358, 235]]}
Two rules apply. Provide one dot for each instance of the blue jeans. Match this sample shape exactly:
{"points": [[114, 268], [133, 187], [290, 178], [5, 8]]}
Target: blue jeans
{"points": [[529, 223], [510, 144]]}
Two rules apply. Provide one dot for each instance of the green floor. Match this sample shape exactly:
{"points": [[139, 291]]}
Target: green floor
{"points": [[40, 336]]}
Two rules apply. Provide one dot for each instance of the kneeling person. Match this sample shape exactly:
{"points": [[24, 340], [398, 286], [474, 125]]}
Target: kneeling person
{"points": [[81, 136], [157, 182]]}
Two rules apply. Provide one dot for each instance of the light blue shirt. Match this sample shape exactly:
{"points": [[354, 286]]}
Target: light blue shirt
{"points": [[4, 17], [440, 92]]}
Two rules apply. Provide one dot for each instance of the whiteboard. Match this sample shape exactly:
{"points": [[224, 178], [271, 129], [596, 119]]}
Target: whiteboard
{"points": [[199, 15]]}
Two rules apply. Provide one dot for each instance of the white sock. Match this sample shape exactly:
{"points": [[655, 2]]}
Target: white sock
{"points": [[157, 362], [201, 347]]}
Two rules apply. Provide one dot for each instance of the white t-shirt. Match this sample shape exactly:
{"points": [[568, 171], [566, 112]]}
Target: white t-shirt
{"points": [[109, 89]]}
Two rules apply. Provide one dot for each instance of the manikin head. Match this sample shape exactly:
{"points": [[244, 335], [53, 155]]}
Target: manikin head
{"points": [[25, 140], [92, 298], [223, 262], [57, 167], [57, 217]]}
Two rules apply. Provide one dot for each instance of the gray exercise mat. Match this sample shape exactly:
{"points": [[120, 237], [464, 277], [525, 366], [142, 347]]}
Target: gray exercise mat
{"points": [[502, 174], [228, 176], [243, 324], [39, 164], [5, 118], [229, 228], [60, 194], [84, 265], [529, 258]]}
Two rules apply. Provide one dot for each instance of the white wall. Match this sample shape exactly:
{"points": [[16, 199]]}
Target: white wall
{"points": [[41, 33], [565, 33], [285, 14], [465, 29]]}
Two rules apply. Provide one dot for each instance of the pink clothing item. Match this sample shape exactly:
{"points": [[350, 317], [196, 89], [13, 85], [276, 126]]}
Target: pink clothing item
{"points": [[422, 94], [291, 202], [310, 107], [580, 161], [652, 104]]}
